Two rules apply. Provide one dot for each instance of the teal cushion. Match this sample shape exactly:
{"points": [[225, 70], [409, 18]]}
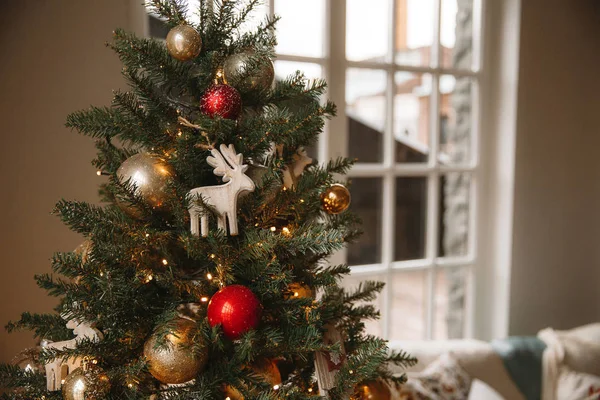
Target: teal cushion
{"points": [[522, 357]]}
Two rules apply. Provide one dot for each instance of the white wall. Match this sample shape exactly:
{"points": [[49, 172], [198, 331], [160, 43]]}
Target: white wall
{"points": [[555, 276], [53, 62]]}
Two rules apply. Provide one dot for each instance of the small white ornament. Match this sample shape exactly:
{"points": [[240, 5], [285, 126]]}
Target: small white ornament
{"points": [[58, 369], [292, 171], [223, 198]]}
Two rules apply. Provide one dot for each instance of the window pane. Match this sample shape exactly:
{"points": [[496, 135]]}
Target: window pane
{"points": [[301, 29], [451, 286], [414, 31], [365, 109], [457, 33], [411, 212], [367, 30], [411, 117], [373, 327], [409, 305], [456, 101], [283, 69], [366, 202], [455, 197]]}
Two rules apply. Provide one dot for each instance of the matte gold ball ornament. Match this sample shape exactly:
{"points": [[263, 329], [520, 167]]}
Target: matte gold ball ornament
{"points": [[373, 390], [86, 384], [184, 43], [149, 174], [175, 362], [335, 199], [248, 71]]}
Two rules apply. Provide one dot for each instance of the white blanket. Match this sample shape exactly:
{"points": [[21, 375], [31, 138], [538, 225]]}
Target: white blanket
{"points": [[570, 356]]}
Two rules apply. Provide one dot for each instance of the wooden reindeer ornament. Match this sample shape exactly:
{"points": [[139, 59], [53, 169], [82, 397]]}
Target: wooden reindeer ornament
{"points": [[292, 171], [223, 198], [58, 369]]}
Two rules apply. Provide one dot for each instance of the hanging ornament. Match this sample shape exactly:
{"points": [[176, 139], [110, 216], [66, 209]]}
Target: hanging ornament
{"points": [[184, 42], [222, 198], [221, 100], [84, 250], [174, 362], [335, 199], [292, 171], [372, 390], [267, 370], [236, 308], [150, 175], [86, 384], [249, 71], [327, 364], [57, 369], [298, 290]]}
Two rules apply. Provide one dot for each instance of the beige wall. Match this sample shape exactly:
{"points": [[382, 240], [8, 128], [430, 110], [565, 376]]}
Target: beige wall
{"points": [[556, 249], [53, 62]]}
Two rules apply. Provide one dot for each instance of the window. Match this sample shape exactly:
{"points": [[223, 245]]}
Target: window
{"points": [[408, 74]]}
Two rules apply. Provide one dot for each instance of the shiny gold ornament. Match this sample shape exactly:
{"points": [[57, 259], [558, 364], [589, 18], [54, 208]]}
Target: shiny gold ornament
{"points": [[373, 390], [248, 71], [335, 199], [184, 42], [175, 363], [266, 369], [150, 175], [299, 291], [91, 384], [231, 393]]}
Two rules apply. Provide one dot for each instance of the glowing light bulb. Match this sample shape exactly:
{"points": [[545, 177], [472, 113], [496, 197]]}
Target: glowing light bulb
{"points": [[98, 172], [204, 299], [165, 262], [212, 256], [209, 276], [276, 387], [309, 390], [273, 229]]}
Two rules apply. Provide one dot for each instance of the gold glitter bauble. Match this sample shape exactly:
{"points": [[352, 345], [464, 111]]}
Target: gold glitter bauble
{"points": [[247, 71], [150, 175], [173, 361], [299, 291], [373, 390], [184, 42], [83, 250], [92, 384], [335, 199]]}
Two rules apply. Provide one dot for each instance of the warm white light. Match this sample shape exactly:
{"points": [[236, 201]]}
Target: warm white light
{"points": [[273, 229], [165, 262], [29, 368], [209, 276], [204, 299], [98, 172], [309, 390], [276, 387]]}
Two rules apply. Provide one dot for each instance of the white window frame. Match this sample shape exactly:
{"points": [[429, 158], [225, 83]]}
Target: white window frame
{"points": [[333, 143]]}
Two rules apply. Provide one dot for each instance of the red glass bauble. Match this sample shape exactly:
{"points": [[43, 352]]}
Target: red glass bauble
{"points": [[222, 100], [236, 308]]}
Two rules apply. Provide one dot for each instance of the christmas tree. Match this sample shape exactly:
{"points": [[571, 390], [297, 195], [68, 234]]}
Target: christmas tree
{"points": [[205, 275]]}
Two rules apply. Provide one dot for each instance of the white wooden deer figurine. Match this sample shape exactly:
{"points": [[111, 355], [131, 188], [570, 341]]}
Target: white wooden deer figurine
{"points": [[223, 198], [58, 369]]}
